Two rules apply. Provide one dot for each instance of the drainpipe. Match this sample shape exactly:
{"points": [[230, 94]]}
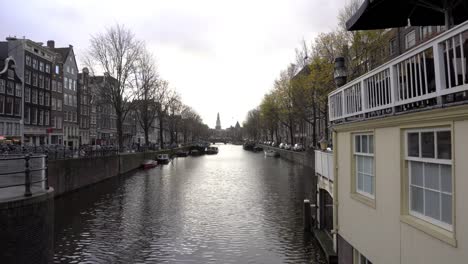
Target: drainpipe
{"points": [[340, 77], [335, 191]]}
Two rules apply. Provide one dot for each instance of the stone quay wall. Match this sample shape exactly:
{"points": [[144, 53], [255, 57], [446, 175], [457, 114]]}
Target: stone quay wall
{"points": [[305, 158], [71, 174], [27, 229]]}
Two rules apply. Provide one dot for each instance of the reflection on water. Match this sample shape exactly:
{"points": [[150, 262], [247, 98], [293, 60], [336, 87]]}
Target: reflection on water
{"points": [[234, 207]]}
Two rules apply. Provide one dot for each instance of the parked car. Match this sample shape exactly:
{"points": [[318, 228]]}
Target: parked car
{"points": [[287, 146], [298, 147], [281, 145]]}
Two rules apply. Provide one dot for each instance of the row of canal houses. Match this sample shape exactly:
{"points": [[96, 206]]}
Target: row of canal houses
{"points": [[392, 189], [45, 99]]}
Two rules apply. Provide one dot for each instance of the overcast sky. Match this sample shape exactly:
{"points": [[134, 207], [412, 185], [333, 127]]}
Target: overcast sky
{"points": [[221, 56]]}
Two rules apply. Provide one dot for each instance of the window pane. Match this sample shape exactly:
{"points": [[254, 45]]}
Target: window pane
{"points": [[360, 163], [363, 260], [413, 144], [444, 145], [371, 143], [364, 144], [427, 145], [357, 142], [416, 173], [446, 178], [447, 208], [431, 176], [432, 204], [417, 197], [360, 182], [367, 165], [369, 184]]}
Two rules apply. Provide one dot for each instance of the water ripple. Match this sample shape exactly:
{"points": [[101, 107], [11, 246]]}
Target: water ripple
{"points": [[235, 207]]}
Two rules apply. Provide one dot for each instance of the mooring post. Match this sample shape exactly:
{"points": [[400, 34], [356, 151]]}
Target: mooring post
{"points": [[307, 215], [27, 174]]}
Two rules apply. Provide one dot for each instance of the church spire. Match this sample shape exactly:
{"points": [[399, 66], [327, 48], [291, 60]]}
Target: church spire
{"points": [[218, 123]]}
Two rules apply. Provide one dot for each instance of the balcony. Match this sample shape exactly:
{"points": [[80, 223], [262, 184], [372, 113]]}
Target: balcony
{"points": [[324, 170], [433, 74]]}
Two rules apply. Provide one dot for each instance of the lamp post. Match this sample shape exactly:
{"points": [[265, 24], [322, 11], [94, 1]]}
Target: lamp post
{"points": [[339, 74]]}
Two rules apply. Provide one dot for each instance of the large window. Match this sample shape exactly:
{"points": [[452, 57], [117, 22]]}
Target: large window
{"points": [[364, 164], [2, 104], [34, 96], [2, 86], [27, 77], [59, 105], [410, 39], [9, 106], [26, 115], [54, 103], [17, 107], [27, 94], [18, 90], [429, 157]]}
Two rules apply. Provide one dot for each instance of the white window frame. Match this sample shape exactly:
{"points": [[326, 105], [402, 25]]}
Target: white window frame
{"points": [[364, 154], [407, 46], [436, 161], [357, 256]]}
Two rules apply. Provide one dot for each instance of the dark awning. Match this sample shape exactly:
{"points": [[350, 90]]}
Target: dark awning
{"points": [[380, 14]]}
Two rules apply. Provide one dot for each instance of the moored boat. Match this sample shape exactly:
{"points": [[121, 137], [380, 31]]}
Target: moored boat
{"points": [[163, 158], [148, 164], [195, 152], [271, 153], [257, 148], [212, 150], [182, 153]]}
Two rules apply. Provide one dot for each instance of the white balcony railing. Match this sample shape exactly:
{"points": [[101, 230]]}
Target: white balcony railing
{"points": [[414, 79], [324, 164]]}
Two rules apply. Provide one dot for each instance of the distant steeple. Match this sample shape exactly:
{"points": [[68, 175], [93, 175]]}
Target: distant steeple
{"points": [[218, 123], [237, 124]]}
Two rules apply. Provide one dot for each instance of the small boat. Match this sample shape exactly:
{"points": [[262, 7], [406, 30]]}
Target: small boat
{"points": [[195, 152], [212, 150], [182, 153], [148, 164], [271, 153], [163, 158], [257, 148]]}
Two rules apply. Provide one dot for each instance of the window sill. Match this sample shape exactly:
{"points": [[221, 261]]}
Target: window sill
{"points": [[430, 229], [363, 199]]}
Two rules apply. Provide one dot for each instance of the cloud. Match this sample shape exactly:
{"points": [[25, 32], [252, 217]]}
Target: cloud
{"points": [[222, 56]]}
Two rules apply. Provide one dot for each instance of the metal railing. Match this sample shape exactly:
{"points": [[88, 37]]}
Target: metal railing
{"points": [[324, 164], [421, 77], [24, 170]]}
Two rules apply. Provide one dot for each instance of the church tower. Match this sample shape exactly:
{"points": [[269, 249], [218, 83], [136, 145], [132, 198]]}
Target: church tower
{"points": [[218, 123]]}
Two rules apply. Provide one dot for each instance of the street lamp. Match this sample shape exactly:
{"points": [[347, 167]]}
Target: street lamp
{"points": [[340, 74]]}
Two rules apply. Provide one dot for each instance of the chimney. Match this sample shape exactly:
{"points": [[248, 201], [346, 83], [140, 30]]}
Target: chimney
{"points": [[51, 44]]}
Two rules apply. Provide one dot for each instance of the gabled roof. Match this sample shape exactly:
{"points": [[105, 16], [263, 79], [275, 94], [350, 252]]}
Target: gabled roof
{"points": [[63, 52]]}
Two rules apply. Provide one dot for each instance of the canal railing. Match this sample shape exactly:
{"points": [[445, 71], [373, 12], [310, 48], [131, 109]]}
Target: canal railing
{"points": [[18, 171], [430, 75]]}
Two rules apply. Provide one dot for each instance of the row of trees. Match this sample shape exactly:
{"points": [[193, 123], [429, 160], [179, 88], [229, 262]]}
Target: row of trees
{"points": [[300, 93], [137, 87]]}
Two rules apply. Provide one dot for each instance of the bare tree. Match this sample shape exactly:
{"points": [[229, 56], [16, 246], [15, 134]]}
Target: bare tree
{"points": [[164, 98], [174, 109], [146, 87], [115, 53]]}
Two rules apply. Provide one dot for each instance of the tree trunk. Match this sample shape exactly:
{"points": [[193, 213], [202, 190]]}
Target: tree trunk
{"points": [[161, 134], [119, 129]]}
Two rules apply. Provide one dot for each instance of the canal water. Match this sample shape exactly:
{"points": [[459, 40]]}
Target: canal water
{"points": [[234, 207]]}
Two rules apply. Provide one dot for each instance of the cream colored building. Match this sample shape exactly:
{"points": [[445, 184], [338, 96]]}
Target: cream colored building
{"points": [[401, 158]]}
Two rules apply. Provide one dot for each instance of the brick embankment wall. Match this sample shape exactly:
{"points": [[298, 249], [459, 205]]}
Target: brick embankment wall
{"points": [[27, 229]]}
